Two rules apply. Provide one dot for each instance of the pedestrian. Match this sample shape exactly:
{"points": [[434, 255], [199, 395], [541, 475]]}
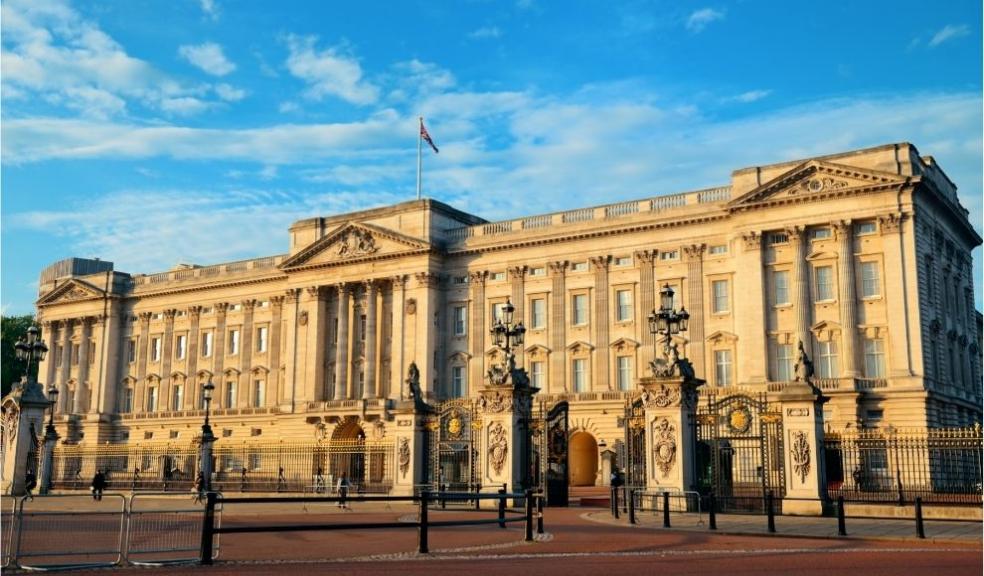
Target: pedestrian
{"points": [[319, 481], [30, 483], [281, 480], [343, 487], [199, 488], [98, 485]]}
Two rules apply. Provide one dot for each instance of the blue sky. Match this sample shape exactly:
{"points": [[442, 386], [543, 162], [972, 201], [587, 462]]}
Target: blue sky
{"points": [[156, 132]]}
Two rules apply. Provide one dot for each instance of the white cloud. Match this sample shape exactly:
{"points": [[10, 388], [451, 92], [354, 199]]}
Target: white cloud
{"points": [[948, 32], [288, 107], [485, 32], [229, 93], [699, 19], [183, 106], [210, 9], [208, 57], [329, 72], [750, 96]]}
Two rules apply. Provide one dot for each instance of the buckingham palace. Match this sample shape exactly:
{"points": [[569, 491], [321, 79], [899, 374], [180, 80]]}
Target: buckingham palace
{"points": [[863, 256]]}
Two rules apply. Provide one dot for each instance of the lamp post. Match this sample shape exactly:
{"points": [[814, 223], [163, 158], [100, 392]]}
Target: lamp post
{"points": [[31, 350], [666, 322], [205, 455], [506, 335]]}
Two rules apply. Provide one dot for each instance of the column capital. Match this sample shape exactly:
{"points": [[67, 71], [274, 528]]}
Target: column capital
{"points": [[517, 272], [276, 301], [477, 276], [194, 312], [313, 292], [842, 228], [398, 281], [558, 267], [795, 232], [98, 319], [428, 279], [144, 317], [694, 251], [291, 294], [370, 285], [344, 289], [221, 307], [752, 240], [645, 256], [249, 304], [169, 314], [600, 262], [890, 223]]}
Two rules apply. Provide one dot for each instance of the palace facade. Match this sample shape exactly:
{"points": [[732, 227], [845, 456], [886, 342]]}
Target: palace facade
{"points": [[864, 256]]}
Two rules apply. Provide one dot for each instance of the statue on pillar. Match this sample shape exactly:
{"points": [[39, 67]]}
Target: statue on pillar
{"points": [[413, 385]]}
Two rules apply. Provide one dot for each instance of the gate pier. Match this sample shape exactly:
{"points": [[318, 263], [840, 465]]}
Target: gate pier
{"points": [[670, 405], [802, 408]]}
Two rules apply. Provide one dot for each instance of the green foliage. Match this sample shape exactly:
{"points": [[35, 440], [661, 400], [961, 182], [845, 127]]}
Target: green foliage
{"points": [[11, 329]]}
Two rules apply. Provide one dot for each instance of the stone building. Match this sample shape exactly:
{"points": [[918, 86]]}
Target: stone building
{"points": [[864, 256]]}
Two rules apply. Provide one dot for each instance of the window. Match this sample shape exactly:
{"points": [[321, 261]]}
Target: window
{"points": [[460, 279], [234, 342], [259, 393], [827, 360], [180, 345], [722, 367], [459, 320], [261, 339], [623, 308], [782, 362], [870, 282], [155, 349], [230, 395], [497, 311], [127, 404], [579, 267], [363, 328], [780, 287], [541, 271], [864, 228], [131, 351], [824, 279], [778, 238], [820, 233], [579, 375], [623, 260], [177, 397], [498, 276], [457, 381], [669, 255], [874, 415], [538, 313], [579, 309], [874, 358], [719, 290], [624, 376], [537, 374], [152, 399], [75, 354], [718, 249], [206, 344]]}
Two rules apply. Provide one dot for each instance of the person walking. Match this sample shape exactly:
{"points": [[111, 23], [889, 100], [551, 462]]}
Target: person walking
{"points": [[199, 488], [319, 482], [98, 485], [343, 488], [30, 483]]}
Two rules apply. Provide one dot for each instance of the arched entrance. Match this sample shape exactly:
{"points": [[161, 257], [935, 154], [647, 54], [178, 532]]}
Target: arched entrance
{"points": [[583, 458], [347, 452]]}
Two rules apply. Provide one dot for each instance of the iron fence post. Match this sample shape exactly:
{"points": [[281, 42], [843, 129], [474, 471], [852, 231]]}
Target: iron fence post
{"points": [[666, 509], [770, 511], [920, 529], [529, 515], [502, 507], [630, 495], [614, 502], [422, 547], [712, 522], [208, 529], [478, 492], [841, 522], [539, 514]]}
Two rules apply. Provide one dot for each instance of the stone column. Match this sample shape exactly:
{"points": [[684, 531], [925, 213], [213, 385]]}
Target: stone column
{"points": [[194, 391], [477, 329], [341, 348], [602, 379], [140, 394], [847, 298], [557, 379], [66, 366], [398, 344], [246, 354], [750, 316], [49, 331], [647, 304], [802, 413], [82, 389], [276, 329], [166, 392], [695, 294], [428, 297], [894, 288], [312, 355], [369, 389], [517, 277], [218, 342], [289, 382], [801, 301], [670, 405], [103, 383]]}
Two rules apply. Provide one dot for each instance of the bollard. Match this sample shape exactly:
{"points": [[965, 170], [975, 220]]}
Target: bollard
{"points": [[769, 510], [478, 492], [539, 514], [841, 523], [502, 506], [630, 495], [422, 547], [529, 515], [208, 529], [920, 529], [666, 509], [712, 521], [615, 502]]}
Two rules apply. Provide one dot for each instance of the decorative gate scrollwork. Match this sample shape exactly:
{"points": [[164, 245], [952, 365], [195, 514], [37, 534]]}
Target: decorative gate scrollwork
{"points": [[634, 457], [454, 431], [549, 466]]}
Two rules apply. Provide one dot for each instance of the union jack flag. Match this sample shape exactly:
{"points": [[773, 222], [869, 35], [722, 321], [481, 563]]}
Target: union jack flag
{"points": [[427, 137]]}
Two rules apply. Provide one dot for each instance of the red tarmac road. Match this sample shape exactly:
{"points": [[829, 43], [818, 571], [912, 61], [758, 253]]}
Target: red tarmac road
{"points": [[573, 546]]}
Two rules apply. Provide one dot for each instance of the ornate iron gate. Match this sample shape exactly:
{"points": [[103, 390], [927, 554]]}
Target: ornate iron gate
{"points": [[634, 457], [549, 464], [454, 464], [739, 449]]}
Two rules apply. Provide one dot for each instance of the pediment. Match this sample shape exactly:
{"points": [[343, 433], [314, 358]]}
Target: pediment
{"points": [[537, 351], [72, 291], [579, 346], [355, 242], [624, 344], [722, 336], [815, 179]]}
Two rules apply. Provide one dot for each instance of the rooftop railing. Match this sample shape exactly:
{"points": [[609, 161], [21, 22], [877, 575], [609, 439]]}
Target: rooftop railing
{"points": [[191, 274]]}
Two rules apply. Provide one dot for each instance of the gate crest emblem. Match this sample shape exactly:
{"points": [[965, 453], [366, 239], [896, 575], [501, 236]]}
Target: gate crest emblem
{"points": [[801, 455], [664, 445], [498, 446]]}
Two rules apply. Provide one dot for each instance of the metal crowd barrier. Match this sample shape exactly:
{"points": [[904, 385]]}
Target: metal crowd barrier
{"points": [[165, 529], [8, 508], [79, 532]]}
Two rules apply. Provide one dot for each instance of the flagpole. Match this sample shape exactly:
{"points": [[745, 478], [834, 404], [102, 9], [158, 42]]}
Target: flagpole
{"points": [[420, 163]]}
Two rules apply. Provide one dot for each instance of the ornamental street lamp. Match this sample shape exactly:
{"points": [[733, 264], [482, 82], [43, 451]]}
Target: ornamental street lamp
{"points": [[207, 390], [505, 337], [52, 400], [205, 455], [31, 350], [667, 322]]}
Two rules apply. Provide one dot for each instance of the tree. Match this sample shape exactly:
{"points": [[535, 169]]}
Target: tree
{"points": [[12, 328]]}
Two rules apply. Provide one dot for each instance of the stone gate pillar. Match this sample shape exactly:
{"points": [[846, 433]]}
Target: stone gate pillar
{"points": [[670, 409], [410, 446], [23, 424], [504, 446], [802, 419]]}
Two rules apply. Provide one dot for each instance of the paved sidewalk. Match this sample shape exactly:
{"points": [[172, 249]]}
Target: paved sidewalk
{"points": [[806, 526]]}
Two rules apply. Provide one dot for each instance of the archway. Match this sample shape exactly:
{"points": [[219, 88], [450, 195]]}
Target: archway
{"points": [[583, 458], [347, 453]]}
